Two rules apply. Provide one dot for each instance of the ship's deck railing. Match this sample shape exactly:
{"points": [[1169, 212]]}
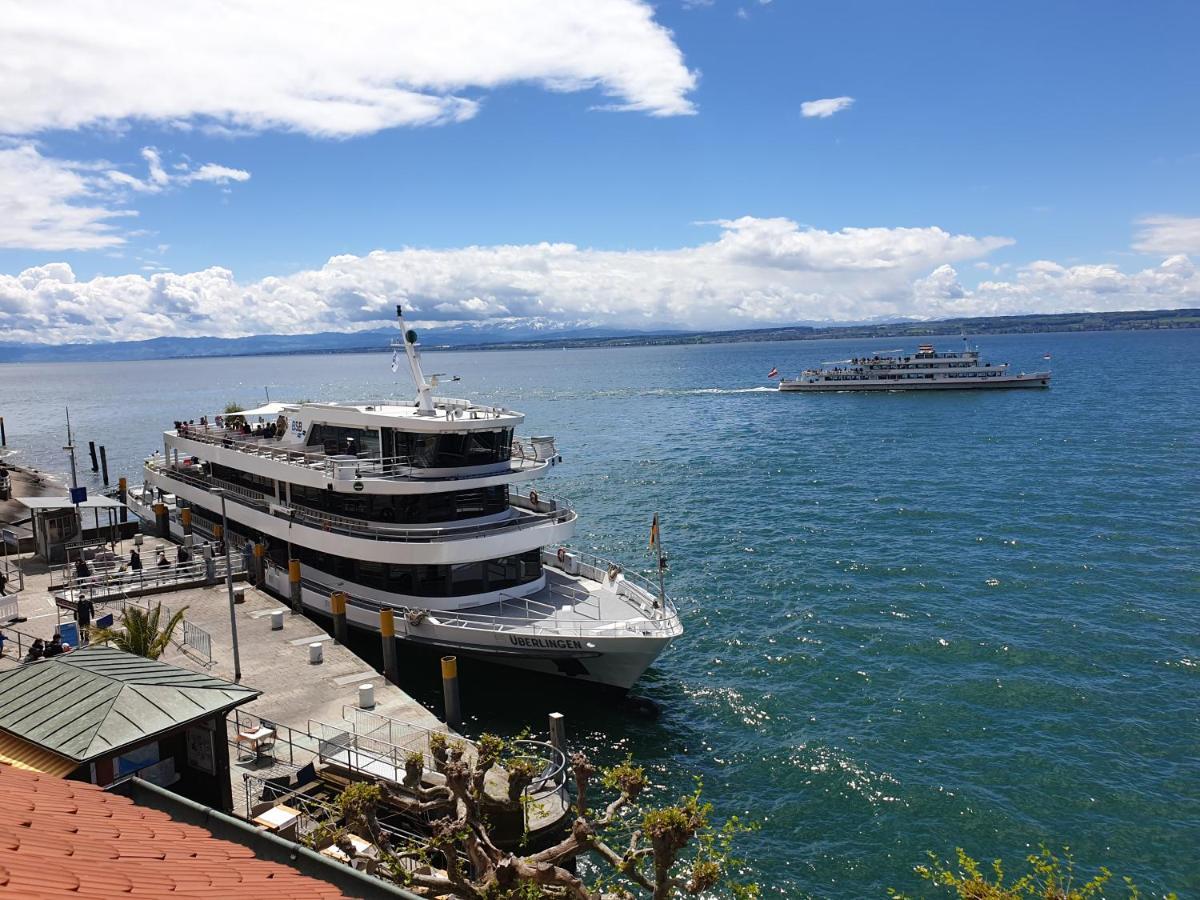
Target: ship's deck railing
{"points": [[634, 586], [538, 510], [524, 614], [524, 451]]}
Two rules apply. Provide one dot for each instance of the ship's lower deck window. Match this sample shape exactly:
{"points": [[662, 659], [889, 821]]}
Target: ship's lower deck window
{"points": [[405, 509], [461, 580]]}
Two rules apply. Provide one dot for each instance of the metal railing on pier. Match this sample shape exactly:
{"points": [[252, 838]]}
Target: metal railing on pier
{"points": [[376, 745], [153, 577]]}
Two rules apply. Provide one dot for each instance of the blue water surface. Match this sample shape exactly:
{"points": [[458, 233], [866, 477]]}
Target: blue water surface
{"points": [[914, 621]]}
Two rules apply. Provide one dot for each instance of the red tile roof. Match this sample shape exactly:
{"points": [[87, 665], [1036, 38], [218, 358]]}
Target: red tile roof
{"points": [[69, 839]]}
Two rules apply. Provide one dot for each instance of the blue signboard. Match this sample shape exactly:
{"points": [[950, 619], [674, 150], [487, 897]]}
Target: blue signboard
{"points": [[69, 632], [79, 495]]}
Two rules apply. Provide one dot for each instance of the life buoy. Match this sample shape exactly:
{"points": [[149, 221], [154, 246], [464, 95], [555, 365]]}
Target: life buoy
{"points": [[562, 555]]}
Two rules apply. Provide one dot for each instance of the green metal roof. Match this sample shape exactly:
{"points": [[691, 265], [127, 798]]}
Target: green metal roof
{"points": [[90, 702]]}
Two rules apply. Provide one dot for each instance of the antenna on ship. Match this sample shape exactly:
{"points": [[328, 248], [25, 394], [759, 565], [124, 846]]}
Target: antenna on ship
{"points": [[424, 388]]}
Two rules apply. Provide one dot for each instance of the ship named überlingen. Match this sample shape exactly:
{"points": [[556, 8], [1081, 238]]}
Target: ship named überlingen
{"points": [[425, 508]]}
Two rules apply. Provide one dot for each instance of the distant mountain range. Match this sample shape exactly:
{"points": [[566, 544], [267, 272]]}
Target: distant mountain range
{"points": [[322, 342], [540, 334]]}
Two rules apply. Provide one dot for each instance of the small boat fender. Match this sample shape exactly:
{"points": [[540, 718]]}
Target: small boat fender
{"points": [[562, 555]]}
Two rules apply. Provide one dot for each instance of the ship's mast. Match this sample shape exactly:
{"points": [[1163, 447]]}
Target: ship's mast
{"points": [[424, 388]]}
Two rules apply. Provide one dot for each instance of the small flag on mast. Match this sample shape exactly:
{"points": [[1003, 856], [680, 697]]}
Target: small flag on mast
{"points": [[773, 373], [654, 541], [395, 361]]}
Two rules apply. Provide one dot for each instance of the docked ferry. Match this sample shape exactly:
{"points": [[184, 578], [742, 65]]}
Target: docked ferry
{"points": [[925, 370], [426, 508]]}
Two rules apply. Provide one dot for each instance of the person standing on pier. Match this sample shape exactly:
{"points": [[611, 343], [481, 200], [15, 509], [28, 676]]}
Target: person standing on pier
{"points": [[135, 561], [84, 610]]}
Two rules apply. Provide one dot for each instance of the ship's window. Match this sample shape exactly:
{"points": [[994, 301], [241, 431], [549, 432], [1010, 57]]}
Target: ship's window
{"points": [[336, 439], [405, 509], [483, 577], [451, 451]]}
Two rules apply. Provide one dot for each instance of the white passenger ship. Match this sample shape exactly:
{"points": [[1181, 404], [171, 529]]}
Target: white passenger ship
{"points": [[424, 508], [925, 370]]}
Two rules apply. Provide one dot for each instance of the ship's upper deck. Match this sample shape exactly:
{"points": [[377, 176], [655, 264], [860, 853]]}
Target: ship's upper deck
{"points": [[449, 414], [336, 442]]}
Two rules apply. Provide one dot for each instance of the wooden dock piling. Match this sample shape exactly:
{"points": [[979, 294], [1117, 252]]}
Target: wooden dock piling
{"points": [[103, 466], [92, 451], [123, 496], [558, 732]]}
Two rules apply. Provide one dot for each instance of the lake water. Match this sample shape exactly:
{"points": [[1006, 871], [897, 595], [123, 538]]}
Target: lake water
{"points": [[914, 621]]}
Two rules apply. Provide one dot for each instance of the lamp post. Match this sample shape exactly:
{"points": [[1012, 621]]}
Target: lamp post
{"points": [[237, 659]]}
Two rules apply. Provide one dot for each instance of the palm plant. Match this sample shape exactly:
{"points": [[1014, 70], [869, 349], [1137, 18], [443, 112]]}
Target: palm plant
{"points": [[140, 633]]}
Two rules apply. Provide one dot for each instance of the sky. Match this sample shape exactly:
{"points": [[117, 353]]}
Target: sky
{"points": [[293, 167]]}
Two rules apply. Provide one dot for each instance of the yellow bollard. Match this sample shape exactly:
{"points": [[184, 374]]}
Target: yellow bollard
{"points": [[162, 520], [387, 633], [294, 584], [185, 517], [337, 606], [450, 690]]}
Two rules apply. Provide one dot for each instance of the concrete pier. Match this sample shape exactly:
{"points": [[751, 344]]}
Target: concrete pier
{"points": [[277, 662]]}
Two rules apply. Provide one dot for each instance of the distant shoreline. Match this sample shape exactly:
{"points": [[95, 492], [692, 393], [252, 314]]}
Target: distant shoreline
{"points": [[375, 342], [1150, 320]]}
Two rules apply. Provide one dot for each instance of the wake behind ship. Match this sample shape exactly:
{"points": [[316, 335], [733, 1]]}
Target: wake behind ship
{"points": [[425, 508]]}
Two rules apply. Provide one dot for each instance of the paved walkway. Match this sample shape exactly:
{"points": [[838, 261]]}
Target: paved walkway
{"points": [[276, 662]]}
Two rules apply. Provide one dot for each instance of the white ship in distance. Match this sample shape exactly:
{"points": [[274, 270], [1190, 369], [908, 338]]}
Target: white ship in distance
{"points": [[925, 370], [426, 508]]}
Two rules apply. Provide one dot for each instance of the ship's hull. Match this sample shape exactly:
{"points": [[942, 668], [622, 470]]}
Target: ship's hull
{"points": [[613, 657], [614, 661], [1035, 380]]}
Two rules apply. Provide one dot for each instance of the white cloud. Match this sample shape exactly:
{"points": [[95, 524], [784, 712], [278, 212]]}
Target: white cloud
{"points": [[823, 109], [217, 174], [1048, 287], [53, 204], [756, 271], [1167, 234], [158, 179], [48, 203], [320, 68]]}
